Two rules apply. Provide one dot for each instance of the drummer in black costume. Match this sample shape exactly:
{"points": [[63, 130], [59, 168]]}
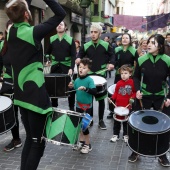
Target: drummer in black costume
{"points": [[62, 51], [101, 54], [154, 67], [124, 54], [26, 55], [7, 90]]}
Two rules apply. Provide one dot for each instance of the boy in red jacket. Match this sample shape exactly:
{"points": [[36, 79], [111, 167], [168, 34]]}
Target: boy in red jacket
{"points": [[124, 92]]}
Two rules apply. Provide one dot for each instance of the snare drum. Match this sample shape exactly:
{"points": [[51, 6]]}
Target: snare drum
{"points": [[63, 127], [148, 132], [7, 114], [121, 114], [87, 119], [100, 83], [57, 85], [110, 91]]}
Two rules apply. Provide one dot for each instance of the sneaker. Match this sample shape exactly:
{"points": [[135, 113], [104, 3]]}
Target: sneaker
{"points": [[86, 149], [114, 138], [125, 138], [164, 161], [13, 144], [78, 146], [133, 157], [110, 115], [102, 125]]}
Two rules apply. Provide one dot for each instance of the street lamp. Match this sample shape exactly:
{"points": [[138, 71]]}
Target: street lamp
{"points": [[84, 4]]}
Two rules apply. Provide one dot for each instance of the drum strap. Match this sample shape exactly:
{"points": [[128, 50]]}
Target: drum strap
{"points": [[84, 106]]}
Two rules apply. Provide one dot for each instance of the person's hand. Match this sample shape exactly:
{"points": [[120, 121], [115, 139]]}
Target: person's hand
{"points": [[77, 61], [167, 102], [82, 88], [70, 72], [139, 94], [110, 67], [70, 85]]}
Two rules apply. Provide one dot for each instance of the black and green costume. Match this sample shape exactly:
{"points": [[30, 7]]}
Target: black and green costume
{"points": [[124, 57], [26, 55], [155, 70], [62, 53]]}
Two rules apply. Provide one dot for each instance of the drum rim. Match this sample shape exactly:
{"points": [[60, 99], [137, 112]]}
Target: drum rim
{"points": [[151, 156], [68, 112], [121, 108], [119, 119], [8, 106], [100, 77], [151, 133], [109, 87], [56, 75]]}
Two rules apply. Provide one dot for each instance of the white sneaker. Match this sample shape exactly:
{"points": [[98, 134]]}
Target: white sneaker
{"points": [[78, 146], [86, 149], [125, 138], [114, 138]]}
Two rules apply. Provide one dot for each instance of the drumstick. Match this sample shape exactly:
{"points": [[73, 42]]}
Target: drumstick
{"points": [[141, 82], [165, 95], [131, 101], [101, 71], [70, 91], [111, 101]]}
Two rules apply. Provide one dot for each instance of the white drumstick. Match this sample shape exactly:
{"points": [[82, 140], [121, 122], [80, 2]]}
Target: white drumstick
{"points": [[111, 102]]}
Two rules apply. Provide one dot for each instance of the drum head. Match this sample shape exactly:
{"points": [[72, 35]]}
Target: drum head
{"points": [[98, 80], [111, 89], [5, 103], [150, 121], [121, 111]]}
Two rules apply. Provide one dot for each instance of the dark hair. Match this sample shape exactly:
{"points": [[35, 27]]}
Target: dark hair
{"points": [[86, 61], [130, 43], [168, 34], [126, 67], [160, 40], [16, 11], [1, 33], [5, 45]]}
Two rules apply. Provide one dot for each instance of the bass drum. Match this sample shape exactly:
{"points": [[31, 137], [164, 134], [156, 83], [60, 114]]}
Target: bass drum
{"points": [[148, 132], [111, 90]]}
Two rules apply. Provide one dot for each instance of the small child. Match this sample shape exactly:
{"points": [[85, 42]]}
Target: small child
{"points": [[85, 89], [124, 92]]}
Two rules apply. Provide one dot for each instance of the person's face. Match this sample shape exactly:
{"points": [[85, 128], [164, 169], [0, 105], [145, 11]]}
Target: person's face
{"points": [[153, 46], [77, 45], [61, 28], [144, 45], [95, 34], [168, 38], [125, 40], [106, 39], [1, 36], [125, 75], [83, 70]]}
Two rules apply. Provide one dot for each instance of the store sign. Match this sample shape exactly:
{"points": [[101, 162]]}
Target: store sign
{"points": [[78, 19], [39, 4]]}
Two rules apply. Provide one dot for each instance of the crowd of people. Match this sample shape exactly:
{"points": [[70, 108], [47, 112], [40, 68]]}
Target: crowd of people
{"points": [[140, 72]]}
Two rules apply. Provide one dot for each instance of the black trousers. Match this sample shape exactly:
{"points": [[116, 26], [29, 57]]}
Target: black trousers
{"points": [[117, 127], [34, 147]]}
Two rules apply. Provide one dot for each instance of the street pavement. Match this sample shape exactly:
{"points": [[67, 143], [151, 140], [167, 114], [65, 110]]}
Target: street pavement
{"points": [[104, 155]]}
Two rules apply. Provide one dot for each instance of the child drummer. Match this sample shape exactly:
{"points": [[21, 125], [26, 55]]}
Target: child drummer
{"points": [[85, 89], [123, 96]]}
